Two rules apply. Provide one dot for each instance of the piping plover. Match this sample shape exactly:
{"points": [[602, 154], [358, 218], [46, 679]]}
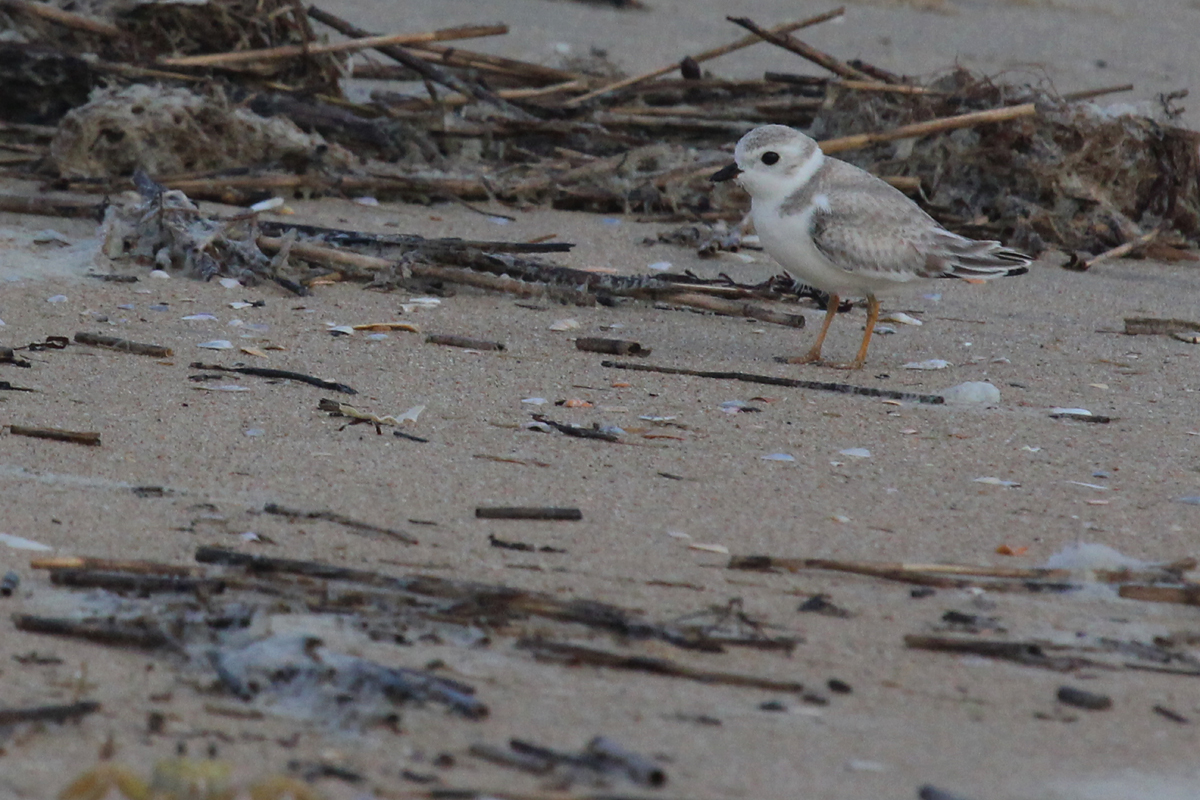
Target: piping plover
{"points": [[846, 232]]}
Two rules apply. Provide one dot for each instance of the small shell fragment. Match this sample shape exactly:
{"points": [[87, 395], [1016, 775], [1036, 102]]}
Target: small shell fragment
{"points": [[709, 548], [217, 344], [933, 363], [576, 403], [1070, 412], [535, 401], [341, 330], [20, 543], [231, 283], [58, 298], [993, 481], [565, 325], [972, 393], [1190, 338], [855, 452], [199, 317], [268, 204], [253, 351], [778, 457], [224, 387], [900, 318]]}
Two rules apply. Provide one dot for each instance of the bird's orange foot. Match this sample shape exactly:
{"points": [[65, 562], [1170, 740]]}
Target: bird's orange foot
{"points": [[855, 364]]}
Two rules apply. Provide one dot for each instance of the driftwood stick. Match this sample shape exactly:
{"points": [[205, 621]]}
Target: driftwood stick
{"points": [[855, 85], [362, 43], [788, 42], [89, 438], [124, 345], [65, 18], [137, 567], [733, 308], [745, 41], [426, 70], [50, 205], [970, 120], [486, 62], [576, 654], [1088, 94], [332, 516], [1170, 572], [1158, 326], [771, 380], [1077, 264], [282, 374]]}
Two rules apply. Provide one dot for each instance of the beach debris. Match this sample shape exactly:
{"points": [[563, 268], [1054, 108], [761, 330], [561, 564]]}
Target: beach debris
{"points": [[217, 344], [467, 342], [10, 583], [576, 655], [822, 604], [770, 380], [278, 374], [523, 547], [615, 347], [358, 416], [930, 792], [356, 526], [1081, 698], [855, 452], [564, 325], [124, 345], [21, 543], [89, 438], [59, 714], [203, 779], [528, 512], [387, 326], [579, 431], [972, 393], [1079, 415], [785, 457], [1156, 326], [900, 318], [600, 761]]}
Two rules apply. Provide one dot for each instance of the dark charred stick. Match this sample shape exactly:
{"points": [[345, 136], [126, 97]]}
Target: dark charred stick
{"points": [[102, 631], [410, 437], [421, 66], [574, 655], [411, 683], [60, 714], [770, 380], [578, 431], [931, 792], [137, 584], [1026, 653], [534, 763], [735, 308], [614, 347], [57, 434], [473, 596], [266, 372], [9, 583], [1170, 714], [331, 516], [789, 42], [878, 73], [528, 512], [1081, 698], [5, 386], [111, 277], [463, 341], [408, 241], [124, 345]]}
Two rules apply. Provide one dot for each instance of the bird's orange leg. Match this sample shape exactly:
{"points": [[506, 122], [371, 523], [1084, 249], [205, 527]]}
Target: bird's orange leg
{"points": [[814, 355], [872, 318]]}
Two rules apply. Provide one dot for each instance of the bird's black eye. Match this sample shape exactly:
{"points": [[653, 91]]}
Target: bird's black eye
{"points": [[770, 157]]}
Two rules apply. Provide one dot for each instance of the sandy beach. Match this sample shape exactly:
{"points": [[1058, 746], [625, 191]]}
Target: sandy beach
{"points": [[865, 478]]}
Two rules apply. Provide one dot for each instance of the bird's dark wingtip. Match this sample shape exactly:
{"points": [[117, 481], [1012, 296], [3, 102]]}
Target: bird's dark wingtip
{"points": [[1012, 273]]}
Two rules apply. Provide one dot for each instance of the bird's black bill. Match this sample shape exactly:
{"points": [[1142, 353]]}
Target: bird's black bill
{"points": [[726, 174]]}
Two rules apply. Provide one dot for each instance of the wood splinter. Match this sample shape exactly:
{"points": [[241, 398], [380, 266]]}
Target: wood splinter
{"points": [[89, 438], [124, 345], [528, 512]]}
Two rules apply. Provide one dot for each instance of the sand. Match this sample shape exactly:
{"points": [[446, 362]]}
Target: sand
{"points": [[1049, 339]]}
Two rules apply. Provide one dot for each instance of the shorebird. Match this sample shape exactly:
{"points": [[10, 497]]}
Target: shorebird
{"points": [[846, 232]]}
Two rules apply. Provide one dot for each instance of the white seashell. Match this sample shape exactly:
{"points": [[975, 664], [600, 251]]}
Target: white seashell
{"points": [[565, 325], [217, 344], [58, 298], [535, 401], [778, 457], [230, 283], [991, 481], [267, 205], [160, 274], [18, 543], [366, 200], [972, 393], [855, 452], [900, 318], [933, 363], [202, 316]]}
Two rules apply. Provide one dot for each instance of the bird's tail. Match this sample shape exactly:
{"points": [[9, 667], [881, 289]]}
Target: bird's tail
{"points": [[974, 260]]}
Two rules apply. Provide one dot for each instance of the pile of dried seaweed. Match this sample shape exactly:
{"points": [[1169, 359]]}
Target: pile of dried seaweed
{"points": [[1017, 162]]}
